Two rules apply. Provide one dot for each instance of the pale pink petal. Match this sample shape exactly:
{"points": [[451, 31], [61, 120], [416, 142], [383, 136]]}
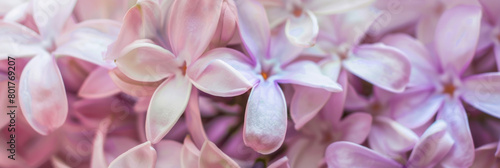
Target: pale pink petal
{"points": [[50, 16], [456, 36], [483, 92], [391, 138], [334, 108], [191, 26], [462, 153], [492, 9], [348, 28], [18, 40], [380, 65], [423, 65], [348, 154], [485, 156], [42, 95], [88, 41], [132, 87], [306, 152], [190, 155], [226, 27], [308, 74], [98, 85], [147, 62], [282, 48], [58, 163], [356, 127], [212, 156], [306, 103], [141, 21], [254, 28], [115, 146], [433, 146], [354, 100], [167, 105], [280, 163], [214, 75], [142, 104], [98, 157], [415, 107], [426, 27], [143, 155], [113, 9], [265, 118], [193, 119], [169, 154], [327, 7], [302, 30]]}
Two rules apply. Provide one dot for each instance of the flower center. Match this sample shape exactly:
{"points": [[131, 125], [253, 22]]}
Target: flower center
{"points": [[264, 75], [183, 68], [449, 89], [297, 11]]}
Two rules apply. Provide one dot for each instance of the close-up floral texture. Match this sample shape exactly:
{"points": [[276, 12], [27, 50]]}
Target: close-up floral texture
{"points": [[250, 83]]}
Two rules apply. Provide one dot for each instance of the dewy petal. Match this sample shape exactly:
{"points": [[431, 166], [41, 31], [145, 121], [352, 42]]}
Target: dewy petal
{"points": [[50, 16], [191, 26], [141, 21], [147, 62], [327, 7], [88, 41], [254, 28], [306, 103], [98, 85], [391, 138], [462, 153], [433, 146], [423, 65], [415, 107], [265, 118], [42, 95], [169, 154], [302, 30], [356, 127], [306, 73], [212, 157], [456, 36], [167, 105], [213, 75], [483, 92], [143, 155], [381, 65], [348, 154]]}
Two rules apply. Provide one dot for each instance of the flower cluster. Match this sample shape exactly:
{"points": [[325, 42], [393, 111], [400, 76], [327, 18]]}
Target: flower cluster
{"points": [[250, 83]]}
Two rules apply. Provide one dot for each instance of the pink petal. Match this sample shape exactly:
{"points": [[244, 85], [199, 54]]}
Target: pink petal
{"points": [[302, 30], [50, 16], [58, 163], [306, 73], [98, 158], [380, 65], [226, 27], [482, 92], [492, 9], [327, 7], [356, 127], [334, 108], [214, 75], [98, 85], [140, 22], [423, 65], [391, 138], [190, 155], [265, 118], [462, 153], [114, 9], [254, 28], [283, 49], [169, 154], [212, 156], [348, 28], [18, 40], [415, 107], [193, 119], [160, 62], [306, 152], [132, 87], [354, 100], [143, 155], [456, 36], [433, 146], [485, 156], [348, 154], [280, 163], [306, 103], [191, 26], [88, 41], [42, 95], [167, 105]]}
